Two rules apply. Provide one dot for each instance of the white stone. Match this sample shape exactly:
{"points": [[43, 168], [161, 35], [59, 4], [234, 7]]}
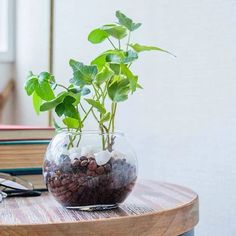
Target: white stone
{"points": [[89, 150], [102, 157]]}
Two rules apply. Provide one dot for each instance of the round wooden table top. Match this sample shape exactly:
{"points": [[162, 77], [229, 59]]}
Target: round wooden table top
{"points": [[153, 208]]}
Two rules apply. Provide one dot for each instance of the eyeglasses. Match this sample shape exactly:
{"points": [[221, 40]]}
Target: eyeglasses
{"points": [[13, 186]]}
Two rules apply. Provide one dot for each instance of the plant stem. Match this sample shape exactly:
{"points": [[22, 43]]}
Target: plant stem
{"points": [[113, 119], [112, 43], [86, 115], [127, 47], [90, 109], [77, 145], [96, 92], [62, 86], [95, 117], [119, 43], [82, 107]]}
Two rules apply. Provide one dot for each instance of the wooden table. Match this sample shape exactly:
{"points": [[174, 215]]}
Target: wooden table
{"points": [[153, 209]]}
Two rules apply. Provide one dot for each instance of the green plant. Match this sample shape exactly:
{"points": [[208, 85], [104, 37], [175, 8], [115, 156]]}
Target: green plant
{"points": [[108, 77]]}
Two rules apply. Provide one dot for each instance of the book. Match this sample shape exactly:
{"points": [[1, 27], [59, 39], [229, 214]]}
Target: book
{"points": [[36, 180], [23, 171], [22, 155], [16, 132]]}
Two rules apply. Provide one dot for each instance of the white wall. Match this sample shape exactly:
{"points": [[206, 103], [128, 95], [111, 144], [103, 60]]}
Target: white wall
{"points": [[183, 124], [32, 29]]}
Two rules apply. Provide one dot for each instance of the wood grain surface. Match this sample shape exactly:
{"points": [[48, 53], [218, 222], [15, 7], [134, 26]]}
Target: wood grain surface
{"points": [[152, 209]]}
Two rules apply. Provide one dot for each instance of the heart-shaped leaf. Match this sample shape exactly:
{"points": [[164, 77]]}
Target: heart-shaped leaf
{"points": [[70, 109], [119, 90], [44, 90], [116, 31], [130, 56], [30, 85], [46, 76], [46, 106], [83, 74], [97, 36], [37, 101], [72, 123], [105, 74], [126, 21], [133, 80], [60, 109]]}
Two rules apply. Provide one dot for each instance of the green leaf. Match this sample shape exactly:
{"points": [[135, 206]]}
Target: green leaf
{"points": [[30, 85], [44, 90], [70, 109], [46, 76], [105, 74], [53, 103], [99, 61], [72, 123], [141, 48], [105, 117], [116, 31], [37, 101], [83, 74], [97, 105], [133, 80], [97, 36], [75, 65], [60, 108], [77, 90], [127, 22], [115, 68], [130, 56], [115, 57], [115, 78], [139, 86], [119, 90]]}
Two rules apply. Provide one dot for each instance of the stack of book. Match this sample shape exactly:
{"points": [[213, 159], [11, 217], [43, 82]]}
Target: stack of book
{"points": [[22, 152]]}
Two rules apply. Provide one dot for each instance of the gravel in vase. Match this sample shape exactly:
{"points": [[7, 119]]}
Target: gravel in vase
{"points": [[82, 182]]}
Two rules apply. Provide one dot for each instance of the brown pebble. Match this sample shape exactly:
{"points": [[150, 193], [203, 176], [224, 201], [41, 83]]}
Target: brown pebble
{"points": [[57, 182], [76, 162], [65, 181], [107, 167], [81, 174], [68, 194], [72, 186], [92, 165], [91, 173], [82, 158], [84, 163], [100, 170]]}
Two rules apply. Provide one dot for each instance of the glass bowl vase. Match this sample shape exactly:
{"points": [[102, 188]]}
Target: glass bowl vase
{"points": [[90, 170]]}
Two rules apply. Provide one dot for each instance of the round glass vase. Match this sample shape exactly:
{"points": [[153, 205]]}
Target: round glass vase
{"points": [[90, 170]]}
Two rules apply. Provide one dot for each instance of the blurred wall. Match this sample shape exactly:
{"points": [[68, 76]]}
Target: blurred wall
{"points": [[183, 124], [32, 28]]}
